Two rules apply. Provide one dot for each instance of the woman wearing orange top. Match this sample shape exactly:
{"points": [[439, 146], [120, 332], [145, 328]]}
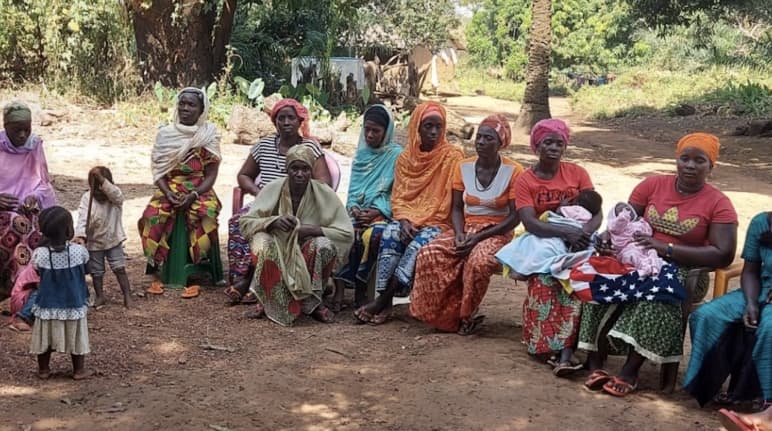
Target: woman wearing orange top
{"points": [[420, 202], [454, 270]]}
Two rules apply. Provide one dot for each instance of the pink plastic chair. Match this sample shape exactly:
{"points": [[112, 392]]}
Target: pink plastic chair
{"points": [[332, 165]]}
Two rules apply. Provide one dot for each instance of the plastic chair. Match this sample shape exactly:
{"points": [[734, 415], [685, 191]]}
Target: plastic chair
{"points": [[178, 266], [332, 165]]}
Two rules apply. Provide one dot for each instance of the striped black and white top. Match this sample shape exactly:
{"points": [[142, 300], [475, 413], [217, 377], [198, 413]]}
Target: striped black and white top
{"points": [[272, 164]]}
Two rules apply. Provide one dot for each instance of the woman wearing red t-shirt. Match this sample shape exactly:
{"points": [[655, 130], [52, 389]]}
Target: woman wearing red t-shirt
{"points": [[550, 315], [694, 225]]}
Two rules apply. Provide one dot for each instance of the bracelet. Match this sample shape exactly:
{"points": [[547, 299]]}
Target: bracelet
{"points": [[195, 193], [669, 252]]}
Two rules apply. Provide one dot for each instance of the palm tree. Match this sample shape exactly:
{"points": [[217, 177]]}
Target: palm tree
{"points": [[536, 105]]}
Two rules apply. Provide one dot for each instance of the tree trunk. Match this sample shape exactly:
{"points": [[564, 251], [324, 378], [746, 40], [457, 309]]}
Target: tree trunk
{"points": [[179, 42], [536, 105]]}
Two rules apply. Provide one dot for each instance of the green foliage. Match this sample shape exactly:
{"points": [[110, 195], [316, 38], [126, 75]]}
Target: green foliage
{"points": [[587, 34], [665, 13], [80, 45]]}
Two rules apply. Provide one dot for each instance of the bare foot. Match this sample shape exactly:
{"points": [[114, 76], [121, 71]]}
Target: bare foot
{"points": [[127, 302], [762, 420], [44, 374], [82, 374], [99, 302]]}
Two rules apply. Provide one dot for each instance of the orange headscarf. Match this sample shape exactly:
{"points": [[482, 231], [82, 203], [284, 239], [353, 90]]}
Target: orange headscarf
{"points": [[421, 192], [704, 141], [499, 123]]}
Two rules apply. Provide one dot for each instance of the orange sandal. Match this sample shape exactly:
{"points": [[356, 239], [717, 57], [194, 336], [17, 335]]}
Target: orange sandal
{"points": [[156, 288], [191, 291], [625, 388]]}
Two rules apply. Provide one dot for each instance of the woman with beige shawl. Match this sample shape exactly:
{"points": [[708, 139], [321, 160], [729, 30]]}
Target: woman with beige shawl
{"points": [[185, 161], [297, 230]]}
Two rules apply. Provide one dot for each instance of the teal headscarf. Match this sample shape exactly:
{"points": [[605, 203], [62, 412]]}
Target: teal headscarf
{"points": [[372, 171]]}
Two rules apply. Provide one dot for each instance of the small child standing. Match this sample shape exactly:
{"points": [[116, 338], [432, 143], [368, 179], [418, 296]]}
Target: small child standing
{"points": [[101, 230], [61, 304]]}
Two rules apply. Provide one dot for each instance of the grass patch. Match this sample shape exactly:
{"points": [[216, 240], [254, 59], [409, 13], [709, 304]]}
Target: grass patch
{"points": [[719, 90], [472, 81]]}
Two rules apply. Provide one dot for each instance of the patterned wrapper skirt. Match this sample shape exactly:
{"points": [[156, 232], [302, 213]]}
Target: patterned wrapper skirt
{"points": [[652, 329], [239, 253], [268, 285], [64, 336], [398, 259], [363, 256], [448, 289], [550, 316], [18, 237]]}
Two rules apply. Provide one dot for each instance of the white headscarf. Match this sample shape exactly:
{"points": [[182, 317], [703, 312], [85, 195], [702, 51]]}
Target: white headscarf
{"points": [[175, 141]]}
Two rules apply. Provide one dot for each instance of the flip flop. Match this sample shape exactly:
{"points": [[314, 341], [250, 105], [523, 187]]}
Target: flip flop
{"points": [[156, 288], [565, 369], [596, 380], [472, 326], [233, 295], [363, 316], [191, 291], [380, 318], [628, 388], [732, 422], [249, 298]]}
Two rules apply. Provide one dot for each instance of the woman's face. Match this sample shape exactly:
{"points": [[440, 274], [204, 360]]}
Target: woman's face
{"points": [[487, 142], [287, 121], [299, 173], [430, 131], [18, 132], [693, 166], [189, 108], [551, 148], [374, 133]]}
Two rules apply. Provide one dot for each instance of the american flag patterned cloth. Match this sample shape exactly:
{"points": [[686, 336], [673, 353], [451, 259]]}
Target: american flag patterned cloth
{"points": [[603, 280]]}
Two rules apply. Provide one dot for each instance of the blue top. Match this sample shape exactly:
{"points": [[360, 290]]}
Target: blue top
{"points": [[753, 251], [62, 293]]}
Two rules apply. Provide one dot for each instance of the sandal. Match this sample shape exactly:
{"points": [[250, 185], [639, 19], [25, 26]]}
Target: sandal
{"points": [[380, 318], [257, 313], [233, 295], [156, 288], [363, 316], [249, 298], [323, 314], [732, 422], [471, 326], [627, 388], [565, 369], [596, 380], [191, 291]]}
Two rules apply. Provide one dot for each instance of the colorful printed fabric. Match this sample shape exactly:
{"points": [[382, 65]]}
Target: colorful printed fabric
{"points": [[239, 254], [280, 304], [652, 329], [604, 280], [157, 220], [18, 238], [448, 289], [363, 255], [546, 195], [398, 259], [550, 316]]}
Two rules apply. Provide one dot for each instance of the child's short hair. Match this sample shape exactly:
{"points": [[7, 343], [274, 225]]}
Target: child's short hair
{"points": [[590, 200], [55, 225]]}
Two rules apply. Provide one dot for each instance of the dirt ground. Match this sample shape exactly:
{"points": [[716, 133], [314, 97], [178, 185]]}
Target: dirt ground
{"points": [[153, 373]]}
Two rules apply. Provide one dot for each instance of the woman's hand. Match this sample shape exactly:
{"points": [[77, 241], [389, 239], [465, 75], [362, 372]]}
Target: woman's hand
{"points": [[174, 199], [649, 243], [406, 230], [751, 315], [604, 247], [187, 201], [306, 231], [577, 238], [284, 223], [8, 202], [466, 246], [368, 215]]}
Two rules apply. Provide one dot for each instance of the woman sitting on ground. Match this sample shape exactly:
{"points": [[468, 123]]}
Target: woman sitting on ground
{"points": [[185, 161], [695, 225], [420, 203], [25, 190], [369, 200], [716, 327], [296, 230], [453, 271], [550, 314], [267, 162]]}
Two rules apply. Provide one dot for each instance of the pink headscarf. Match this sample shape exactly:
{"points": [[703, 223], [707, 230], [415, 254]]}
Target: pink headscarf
{"points": [[500, 124], [544, 128], [300, 111]]}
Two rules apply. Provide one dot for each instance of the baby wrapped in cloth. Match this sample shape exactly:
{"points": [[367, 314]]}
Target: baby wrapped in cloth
{"points": [[623, 224], [529, 254]]}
